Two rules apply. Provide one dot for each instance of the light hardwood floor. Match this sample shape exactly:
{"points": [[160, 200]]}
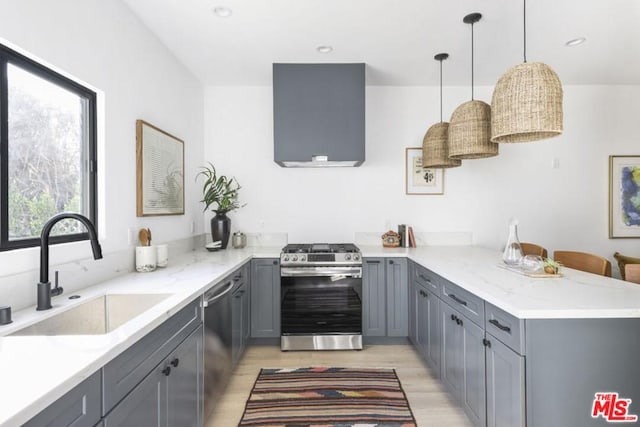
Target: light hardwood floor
{"points": [[430, 403]]}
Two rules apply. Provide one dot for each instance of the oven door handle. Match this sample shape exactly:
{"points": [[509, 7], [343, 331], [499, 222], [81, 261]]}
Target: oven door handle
{"points": [[354, 272]]}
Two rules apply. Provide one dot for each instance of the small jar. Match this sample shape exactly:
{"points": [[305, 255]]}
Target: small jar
{"points": [[239, 240]]}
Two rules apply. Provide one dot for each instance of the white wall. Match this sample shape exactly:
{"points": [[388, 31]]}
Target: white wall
{"points": [[564, 208], [103, 44]]}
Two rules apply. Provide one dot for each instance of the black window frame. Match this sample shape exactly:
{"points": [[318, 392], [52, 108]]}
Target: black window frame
{"points": [[8, 55]]}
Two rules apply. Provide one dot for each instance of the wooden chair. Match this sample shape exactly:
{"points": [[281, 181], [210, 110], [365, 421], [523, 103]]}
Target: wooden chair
{"points": [[533, 249], [632, 273], [583, 261], [624, 260]]}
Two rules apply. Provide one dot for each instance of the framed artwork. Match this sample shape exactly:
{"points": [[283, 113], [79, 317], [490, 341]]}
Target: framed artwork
{"points": [[419, 180], [624, 197], [160, 172]]}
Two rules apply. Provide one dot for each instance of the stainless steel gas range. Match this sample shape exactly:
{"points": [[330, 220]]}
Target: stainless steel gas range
{"points": [[321, 297]]}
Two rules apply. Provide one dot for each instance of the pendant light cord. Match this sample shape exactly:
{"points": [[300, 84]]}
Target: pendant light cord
{"points": [[524, 28], [472, 61], [440, 91]]}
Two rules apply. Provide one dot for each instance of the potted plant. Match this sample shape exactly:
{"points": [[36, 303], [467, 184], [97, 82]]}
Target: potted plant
{"points": [[220, 192]]}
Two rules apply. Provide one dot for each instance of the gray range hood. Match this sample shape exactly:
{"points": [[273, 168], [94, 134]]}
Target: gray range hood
{"points": [[318, 112]]}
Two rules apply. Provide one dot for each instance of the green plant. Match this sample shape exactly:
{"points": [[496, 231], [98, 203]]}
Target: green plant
{"points": [[551, 266], [219, 190]]}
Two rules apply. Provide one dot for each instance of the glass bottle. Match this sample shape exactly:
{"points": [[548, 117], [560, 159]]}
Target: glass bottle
{"points": [[513, 251]]}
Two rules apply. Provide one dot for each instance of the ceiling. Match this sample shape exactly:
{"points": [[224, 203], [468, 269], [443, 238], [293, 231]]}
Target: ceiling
{"points": [[398, 39]]}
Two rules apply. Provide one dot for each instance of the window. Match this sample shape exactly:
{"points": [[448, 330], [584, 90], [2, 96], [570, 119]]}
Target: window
{"points": [[47, 152]]}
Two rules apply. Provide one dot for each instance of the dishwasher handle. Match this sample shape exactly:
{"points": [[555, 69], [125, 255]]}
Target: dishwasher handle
{"points": [[208, 300]]}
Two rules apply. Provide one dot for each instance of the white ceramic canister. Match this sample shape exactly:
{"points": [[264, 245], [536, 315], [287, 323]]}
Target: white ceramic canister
{"points": [[162, 255], [145, 258]]}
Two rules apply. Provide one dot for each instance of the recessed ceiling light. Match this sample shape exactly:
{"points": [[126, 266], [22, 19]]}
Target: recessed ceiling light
{"points": [[324, 49], [576, 41], [222, 12]]}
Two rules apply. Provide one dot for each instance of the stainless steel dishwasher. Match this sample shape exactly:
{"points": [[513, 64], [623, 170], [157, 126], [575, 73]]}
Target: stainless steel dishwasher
{"points": [[217, 342]]}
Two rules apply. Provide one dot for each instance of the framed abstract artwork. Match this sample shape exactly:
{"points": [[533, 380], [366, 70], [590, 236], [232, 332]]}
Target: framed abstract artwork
{"points": [[160, 172], [419, 180], [624, 197]]}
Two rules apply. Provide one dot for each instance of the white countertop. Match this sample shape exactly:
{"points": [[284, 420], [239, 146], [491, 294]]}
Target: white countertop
{"points": [[36, 370], [576, 295]]}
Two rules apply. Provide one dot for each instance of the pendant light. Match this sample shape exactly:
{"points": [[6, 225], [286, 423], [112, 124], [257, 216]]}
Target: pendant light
{"points": [[435, 145], [470, 126], [527, 101]]}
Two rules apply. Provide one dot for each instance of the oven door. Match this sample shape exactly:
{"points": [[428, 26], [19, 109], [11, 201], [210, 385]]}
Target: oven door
{"points": [[321, 300]]}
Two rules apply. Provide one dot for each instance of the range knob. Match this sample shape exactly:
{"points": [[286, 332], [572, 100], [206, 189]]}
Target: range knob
{"points": [[303, 258], [286, 258], [347, 257], [356, 257], [294, 258]]}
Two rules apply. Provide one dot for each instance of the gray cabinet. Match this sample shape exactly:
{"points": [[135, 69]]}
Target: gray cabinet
{"points": [[127, 370], [374, 297], [463, 362], [428, 330], [240, 328], [265, 298], [414, 299], [171, 395], [397, 288], [79, 407], [385, 297], [505, 385]]}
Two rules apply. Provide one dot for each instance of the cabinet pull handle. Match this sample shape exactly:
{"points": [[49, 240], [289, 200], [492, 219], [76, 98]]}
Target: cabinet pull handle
{"points": [[390, 261], [175, 362], [459, 321], [458, 300], [453, 317], [369, 261], [426, 279], [275, 262], [166, 371], [486, 342], [497, 324]]}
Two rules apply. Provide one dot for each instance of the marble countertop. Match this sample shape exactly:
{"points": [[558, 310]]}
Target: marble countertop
{"points": [[478, 270], [37, 370]]}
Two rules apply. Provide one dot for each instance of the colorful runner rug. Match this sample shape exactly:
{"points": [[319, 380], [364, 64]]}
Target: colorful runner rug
{"points": [[327, 397]]}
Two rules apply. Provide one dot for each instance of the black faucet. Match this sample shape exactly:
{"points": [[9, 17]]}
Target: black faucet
{"points": [[44, 287]]}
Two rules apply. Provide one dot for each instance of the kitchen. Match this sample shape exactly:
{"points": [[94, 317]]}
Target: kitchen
{"points": [[230, 123]]}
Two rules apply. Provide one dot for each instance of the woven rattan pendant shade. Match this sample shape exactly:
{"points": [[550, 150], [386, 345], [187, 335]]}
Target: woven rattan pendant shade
{"points": [[470, 132], [527, 104], [527, 101], [435, 144], [435, 148], [470, 126]]}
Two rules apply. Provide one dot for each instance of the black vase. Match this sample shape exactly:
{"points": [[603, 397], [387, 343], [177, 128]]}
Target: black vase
{"points": [[221, 228]]}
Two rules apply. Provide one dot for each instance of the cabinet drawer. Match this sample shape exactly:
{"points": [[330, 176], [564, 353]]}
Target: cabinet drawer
{"points": [[505, 327], [124, 372], [426, 278], [464, 301], [79, 407]]}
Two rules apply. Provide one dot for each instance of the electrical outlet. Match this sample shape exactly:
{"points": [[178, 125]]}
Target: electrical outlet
{"points": [[131, 236]]}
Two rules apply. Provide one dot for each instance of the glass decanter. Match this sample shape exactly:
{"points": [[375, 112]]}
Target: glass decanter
{"points": [[513, 251]]}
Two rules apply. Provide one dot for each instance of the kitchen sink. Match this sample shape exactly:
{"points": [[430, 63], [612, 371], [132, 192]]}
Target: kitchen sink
{"points": [[95, 317]]}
